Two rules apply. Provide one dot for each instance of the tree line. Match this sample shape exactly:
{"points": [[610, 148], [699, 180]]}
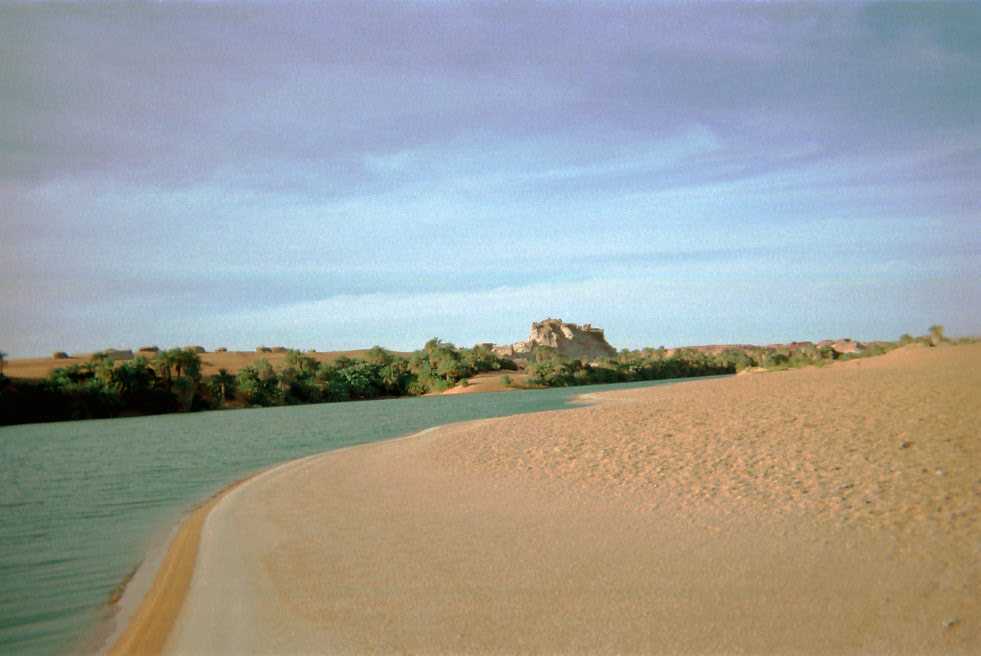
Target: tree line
{"points": [[172, 381], [546, 367]]}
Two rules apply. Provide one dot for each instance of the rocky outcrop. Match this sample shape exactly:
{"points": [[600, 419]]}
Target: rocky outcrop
{"points": [[842, 346], [581, 342], [845, 346]]}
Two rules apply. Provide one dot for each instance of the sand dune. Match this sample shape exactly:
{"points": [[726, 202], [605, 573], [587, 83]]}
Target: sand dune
{"points": [[826, 510]]}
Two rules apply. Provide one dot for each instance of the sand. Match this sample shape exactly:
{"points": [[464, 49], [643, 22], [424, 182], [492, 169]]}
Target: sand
{"points": [[155, 615], [829, 510], [489, 382]]}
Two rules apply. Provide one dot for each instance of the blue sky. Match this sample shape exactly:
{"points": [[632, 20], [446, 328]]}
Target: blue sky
{"points": [[342, 175]]}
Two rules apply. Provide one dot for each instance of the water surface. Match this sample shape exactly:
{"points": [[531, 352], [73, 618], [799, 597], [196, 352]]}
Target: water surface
{"points": [[82, 502]]}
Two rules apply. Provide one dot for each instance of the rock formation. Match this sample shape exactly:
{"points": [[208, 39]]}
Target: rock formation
{"points": [[582, 342]]}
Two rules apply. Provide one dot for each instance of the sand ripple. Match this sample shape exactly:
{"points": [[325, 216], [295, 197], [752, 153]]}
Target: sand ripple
{"points": [[892, 441]]}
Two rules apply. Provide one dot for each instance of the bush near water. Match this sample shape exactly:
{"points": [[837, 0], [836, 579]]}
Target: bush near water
{"points": [[171, 380]]}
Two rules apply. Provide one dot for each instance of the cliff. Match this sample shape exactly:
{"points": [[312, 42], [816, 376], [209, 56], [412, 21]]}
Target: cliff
{"points": [[582, 342]]}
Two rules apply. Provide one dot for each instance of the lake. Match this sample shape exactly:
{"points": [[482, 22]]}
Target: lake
{"points": [[82, 503]]}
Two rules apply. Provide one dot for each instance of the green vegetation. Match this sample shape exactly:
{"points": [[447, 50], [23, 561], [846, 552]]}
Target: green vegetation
{"points": [[172, 380], [547, 367]]}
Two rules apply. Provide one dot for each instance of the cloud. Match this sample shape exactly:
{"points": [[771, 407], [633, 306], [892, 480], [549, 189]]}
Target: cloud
{"points": [[172, 93], [196, 160]]}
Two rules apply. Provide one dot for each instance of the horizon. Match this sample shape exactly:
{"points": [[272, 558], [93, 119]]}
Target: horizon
{"points": [[408, 349], [355, 174]]}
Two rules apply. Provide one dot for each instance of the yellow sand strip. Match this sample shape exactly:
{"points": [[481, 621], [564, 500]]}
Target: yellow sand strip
{"points": [[814, 511], [157, 613]]}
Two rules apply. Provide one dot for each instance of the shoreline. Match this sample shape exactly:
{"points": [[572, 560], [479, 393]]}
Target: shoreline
{"points": [[153, 615], [344, 540], [155, 607], [145, 615]]}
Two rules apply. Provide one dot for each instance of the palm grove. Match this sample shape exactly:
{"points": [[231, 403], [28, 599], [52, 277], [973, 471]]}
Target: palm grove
{"points": [[172, 380]]}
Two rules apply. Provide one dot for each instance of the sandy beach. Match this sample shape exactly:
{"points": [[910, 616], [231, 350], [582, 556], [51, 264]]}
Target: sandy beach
{"points": [[833, 510]]}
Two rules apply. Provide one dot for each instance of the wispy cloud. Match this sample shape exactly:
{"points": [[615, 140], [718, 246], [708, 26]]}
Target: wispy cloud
{"points": [[184, 167]]}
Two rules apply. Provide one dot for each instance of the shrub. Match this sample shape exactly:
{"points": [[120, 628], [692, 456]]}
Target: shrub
{"points": [[148, 349], [775, 359], [195, 349], [259, 383], [263, 349], [506, 381], [59, 355], [221, 349]]}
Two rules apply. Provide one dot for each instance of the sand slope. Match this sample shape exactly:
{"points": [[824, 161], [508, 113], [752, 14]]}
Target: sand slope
{"points": [[815, 511]]}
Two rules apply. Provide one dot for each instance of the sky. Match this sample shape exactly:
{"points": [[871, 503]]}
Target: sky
{"points": [[340, 175]]}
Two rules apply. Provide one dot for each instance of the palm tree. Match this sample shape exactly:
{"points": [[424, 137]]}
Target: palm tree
{"points": [[223, 383], [164, 362], [287, 377], [187, 362]]}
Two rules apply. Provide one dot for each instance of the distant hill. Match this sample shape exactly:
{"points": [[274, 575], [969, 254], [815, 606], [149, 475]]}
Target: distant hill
{"points": [[580, 342]]}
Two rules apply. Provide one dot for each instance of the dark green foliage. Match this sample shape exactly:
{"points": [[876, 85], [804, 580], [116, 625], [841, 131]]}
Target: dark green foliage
{"points": [[396, 377], [133, 377], [172, 380], [774, 359], [184, 388], [441, 365], [78, 397], [359, 379], [549, 368], [222, 387], [259, 384]]}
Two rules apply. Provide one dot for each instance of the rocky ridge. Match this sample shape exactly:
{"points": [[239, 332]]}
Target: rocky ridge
{"points": [[583, 342]]}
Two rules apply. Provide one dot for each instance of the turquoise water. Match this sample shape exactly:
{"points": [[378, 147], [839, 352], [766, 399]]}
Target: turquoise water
{"points": [[82, 502]]}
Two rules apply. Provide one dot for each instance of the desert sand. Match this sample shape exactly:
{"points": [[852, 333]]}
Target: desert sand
{"points": [[830, 510], [489, 382]]}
